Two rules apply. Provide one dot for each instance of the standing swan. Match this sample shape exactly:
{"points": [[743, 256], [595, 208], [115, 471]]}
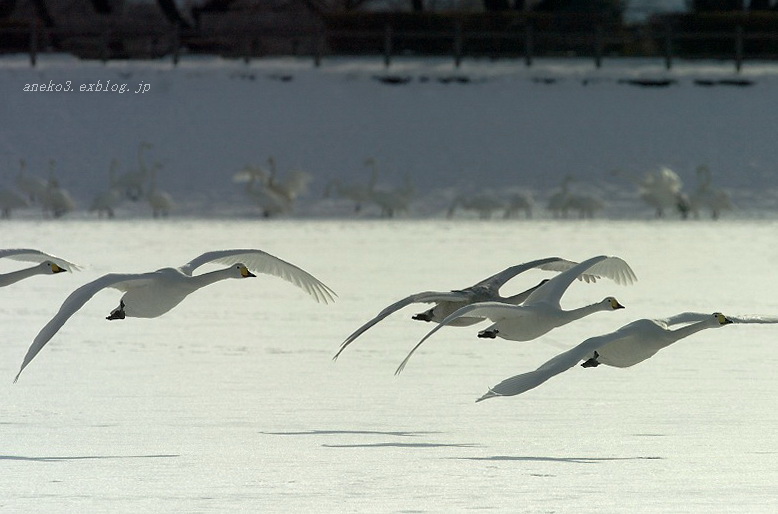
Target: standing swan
{"points": [[47, 265], [627, 346], [150, 295], [448, 302], [540, 313]]}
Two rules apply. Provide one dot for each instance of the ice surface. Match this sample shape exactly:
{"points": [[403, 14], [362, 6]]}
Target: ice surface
{"points": [[231, 401]]}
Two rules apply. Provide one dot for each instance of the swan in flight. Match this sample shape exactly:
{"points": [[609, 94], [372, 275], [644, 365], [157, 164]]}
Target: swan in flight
{"points": [[540, 312], [47, 265], [488, 289], [150, 295], [627, 346]]}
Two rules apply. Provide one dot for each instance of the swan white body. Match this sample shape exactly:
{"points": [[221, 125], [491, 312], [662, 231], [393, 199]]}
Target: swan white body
{"points": [[34, 187], [161, 201], [540, 312], [132, 183], [150, 295], [46, 265], [707, 196], [487, 290], [631, 344], [106, 202], [485, 204]]}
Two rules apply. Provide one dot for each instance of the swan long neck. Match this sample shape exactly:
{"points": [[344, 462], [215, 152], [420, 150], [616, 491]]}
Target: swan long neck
{"points": [[686, 331], [15, 276], [581, 312], [212, 277]]}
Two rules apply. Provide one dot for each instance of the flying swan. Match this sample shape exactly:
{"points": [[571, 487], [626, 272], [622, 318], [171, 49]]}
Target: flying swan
{"points": [[150, 295], [448, 302], [540, 313], [47, 265], [627, 346]]}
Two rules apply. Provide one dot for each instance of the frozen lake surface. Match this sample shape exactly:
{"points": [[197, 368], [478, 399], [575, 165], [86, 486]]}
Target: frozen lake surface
{"points": [[231, 401]]}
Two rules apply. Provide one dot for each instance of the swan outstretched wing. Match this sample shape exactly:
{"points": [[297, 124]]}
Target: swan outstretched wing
{"points": [[74, 302], [425, 297], [491, 310], [613, 268], [562, 362], [557, 264], [31, 255], [259, 261]]}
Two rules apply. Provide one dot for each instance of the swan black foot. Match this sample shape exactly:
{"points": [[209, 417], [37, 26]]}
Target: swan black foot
{"points": [[117, 313], [488, 334], [423, 316], [593, 362]]}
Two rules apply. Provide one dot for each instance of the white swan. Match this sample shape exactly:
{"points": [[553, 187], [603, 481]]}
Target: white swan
{"points": [[627, 346], [540, 313], [132, 182], [708, 196], [295, 185], [105, 202], [448, 302], [47, 264], [34, 187], [150, 295], [661, 189], [161, 201]]}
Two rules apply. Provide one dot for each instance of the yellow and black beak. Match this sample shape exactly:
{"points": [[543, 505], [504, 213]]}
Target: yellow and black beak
{"points": [[57, 269], [615, 304], [723, 319], [245, 273]]}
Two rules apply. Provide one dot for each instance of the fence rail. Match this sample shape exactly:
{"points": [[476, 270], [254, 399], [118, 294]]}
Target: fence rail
{"points": [[525, 41]]}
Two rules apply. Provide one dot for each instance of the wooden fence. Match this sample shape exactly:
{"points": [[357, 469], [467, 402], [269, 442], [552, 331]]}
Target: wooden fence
{"points": [[523, 41]]}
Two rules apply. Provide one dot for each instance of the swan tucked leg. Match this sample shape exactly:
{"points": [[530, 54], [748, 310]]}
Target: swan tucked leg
{"points": [[117, 313], [593, 362], [489, 333]]}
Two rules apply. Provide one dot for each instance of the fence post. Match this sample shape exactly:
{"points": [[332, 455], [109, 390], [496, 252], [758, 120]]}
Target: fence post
{"points": [[458, 43], [319, 47], [528, 44], [668, 46], [598, 46], [105, 44], [387, 45], [34, 41], [738, 48], [176, 43]]}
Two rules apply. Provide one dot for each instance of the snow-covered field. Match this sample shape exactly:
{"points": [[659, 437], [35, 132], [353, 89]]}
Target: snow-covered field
{"points": [[231, 402], [508, 128]]}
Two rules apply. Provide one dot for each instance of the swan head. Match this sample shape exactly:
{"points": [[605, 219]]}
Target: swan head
{"points": [[612, 303], [52, 267], [243, 271], [721, 319]]}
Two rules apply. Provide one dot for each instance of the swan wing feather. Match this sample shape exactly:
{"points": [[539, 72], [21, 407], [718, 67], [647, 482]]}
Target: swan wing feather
{"points": [[489, 310], [259, 261], [425, 297], [74, 302], [613, 268], [31, 255], [562, 362]]}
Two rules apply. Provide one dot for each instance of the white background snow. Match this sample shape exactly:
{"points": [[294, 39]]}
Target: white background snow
{"points": [[231, 401]]}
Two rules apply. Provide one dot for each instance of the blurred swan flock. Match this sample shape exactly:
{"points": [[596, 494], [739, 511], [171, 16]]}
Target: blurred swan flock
{"points": [[260, 190], [523, 317]]}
